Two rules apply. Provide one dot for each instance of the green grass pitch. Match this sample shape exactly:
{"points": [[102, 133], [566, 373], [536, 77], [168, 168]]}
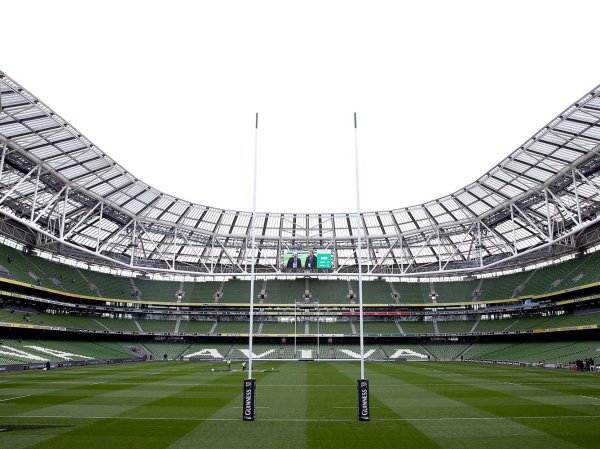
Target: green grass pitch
{"points": [[303, 405]]}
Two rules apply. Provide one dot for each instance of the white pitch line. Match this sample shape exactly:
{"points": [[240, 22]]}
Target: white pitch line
{"points": [[590, 397], [243, 407], [16, 397], [170, 418], [354, 407]]}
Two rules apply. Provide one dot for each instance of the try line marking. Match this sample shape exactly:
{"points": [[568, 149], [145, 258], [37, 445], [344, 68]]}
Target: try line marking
{"points": [[170, 418], [354, 407], [590, 397], [16, 397], [254, 407]]}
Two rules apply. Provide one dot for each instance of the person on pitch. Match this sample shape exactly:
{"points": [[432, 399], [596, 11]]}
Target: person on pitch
{"points": [[228, 365], [243, 366]]}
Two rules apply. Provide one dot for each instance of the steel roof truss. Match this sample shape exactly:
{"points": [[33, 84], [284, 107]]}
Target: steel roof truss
{"points": [[148, 235], [81, 220], [16, 186], [570, 214], [456, 247], [51, 202], [113, 235]]}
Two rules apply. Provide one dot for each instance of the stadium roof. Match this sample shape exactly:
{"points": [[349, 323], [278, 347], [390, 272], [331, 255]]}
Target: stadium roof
{"points": [[58, 184]]}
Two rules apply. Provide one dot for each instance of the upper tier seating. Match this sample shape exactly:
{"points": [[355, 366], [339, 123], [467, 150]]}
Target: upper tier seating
{"points": [[235, 291], [329, 292], [283, 292], [374, 292], [200, 292], [45, 273]]}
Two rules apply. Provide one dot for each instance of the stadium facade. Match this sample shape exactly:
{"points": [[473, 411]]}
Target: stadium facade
{"points": [[63, 193], [534, 216]]}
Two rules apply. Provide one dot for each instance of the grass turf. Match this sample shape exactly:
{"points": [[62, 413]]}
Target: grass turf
{"points": [[303, 405]]}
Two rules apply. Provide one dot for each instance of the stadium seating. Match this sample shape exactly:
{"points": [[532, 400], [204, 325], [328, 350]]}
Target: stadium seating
{"points": [[157, 326], [417, 327], [346, 351], [307, 351], [445, 351], [110, 286], [260, 351], [413, 292], [173, 351], [494, 325], [49, 319], [200, 292], [455, 326], [13, 316], [151, 290], [502, 287], [191, 326], [569, 319], [380, 327], [553, 352], [283, 292], [195, 326], [458, 291], [586, 273], [118, 325], [408, 351], [282, 328], [337, 327], [50, 274], [22, 268], [374, 292], [236, 291], [13, 351], [329, 292], [207, 351], [64, 277], [234, 327]]}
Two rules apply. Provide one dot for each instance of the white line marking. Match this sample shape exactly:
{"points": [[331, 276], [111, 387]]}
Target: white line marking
{"points": [[16, 397], [254, 407], [170, 418], [590, 397], [374, 385], [354, 407]]}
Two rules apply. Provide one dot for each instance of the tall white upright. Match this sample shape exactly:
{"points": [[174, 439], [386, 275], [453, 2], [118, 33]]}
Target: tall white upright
{"points": [[252, 255], [248, 410], [363, 384]]}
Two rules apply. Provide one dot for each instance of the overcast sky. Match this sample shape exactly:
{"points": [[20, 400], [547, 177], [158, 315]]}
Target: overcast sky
{"points": [[443, 90]]}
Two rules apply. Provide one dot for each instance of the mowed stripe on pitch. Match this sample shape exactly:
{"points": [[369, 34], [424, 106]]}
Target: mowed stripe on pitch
{"points": [[109, 401], [495, 400], [414, 405], [385, 429]]}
